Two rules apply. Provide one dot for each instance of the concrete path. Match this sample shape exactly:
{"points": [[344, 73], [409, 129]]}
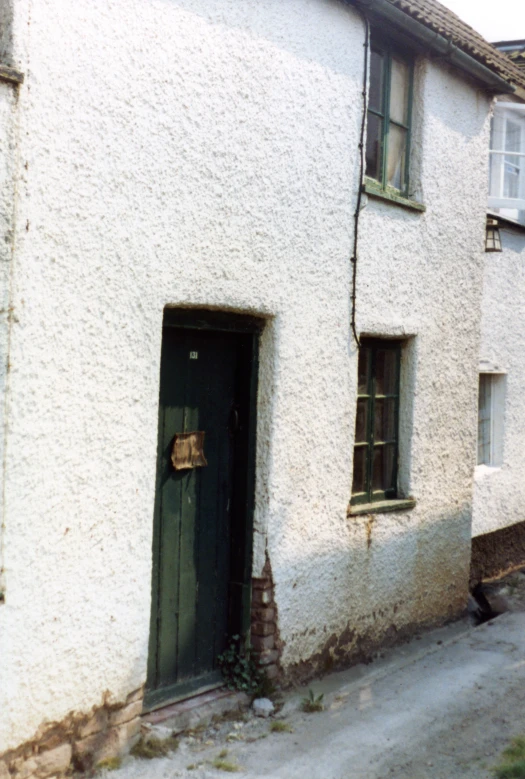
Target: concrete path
{"points": [[442, 707]]}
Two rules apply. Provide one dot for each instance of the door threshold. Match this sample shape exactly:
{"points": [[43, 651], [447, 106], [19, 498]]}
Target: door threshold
{"points": [[197, 710]]}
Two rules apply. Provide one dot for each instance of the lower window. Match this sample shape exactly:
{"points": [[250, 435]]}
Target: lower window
{"points": [[377, 422], [491, 406]]}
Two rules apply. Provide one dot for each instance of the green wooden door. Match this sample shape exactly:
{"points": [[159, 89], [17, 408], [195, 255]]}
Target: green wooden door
{"points": [[200, 547]]}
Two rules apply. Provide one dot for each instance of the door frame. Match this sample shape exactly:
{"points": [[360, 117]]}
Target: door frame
{"points": [[206, 319]]}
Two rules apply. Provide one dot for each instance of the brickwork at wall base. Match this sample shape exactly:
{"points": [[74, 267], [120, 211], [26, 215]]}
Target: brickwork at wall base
{"points": [[264, 624], [79, 741], [497, 553]]}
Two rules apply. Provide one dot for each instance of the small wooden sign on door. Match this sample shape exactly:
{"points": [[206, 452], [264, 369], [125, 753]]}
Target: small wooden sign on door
{"points": [[188, 451]]}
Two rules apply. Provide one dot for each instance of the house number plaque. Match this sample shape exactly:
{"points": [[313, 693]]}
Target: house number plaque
{"points": [[188, 451]]}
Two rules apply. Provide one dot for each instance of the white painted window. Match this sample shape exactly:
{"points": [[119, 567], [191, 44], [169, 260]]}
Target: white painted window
{"points": [[491, 408], [507, 161]]}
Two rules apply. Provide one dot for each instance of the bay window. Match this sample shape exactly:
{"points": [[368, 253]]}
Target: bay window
{"points": [[507, 161]]}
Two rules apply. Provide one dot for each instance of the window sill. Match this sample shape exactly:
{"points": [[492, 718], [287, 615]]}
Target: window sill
{"points": [[398, 504], [10, 74], [392, 196], [485, 471]]}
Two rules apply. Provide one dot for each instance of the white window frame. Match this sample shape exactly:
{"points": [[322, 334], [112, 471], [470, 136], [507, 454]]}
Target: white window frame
{"points": [[513, 208], [496, 418]]}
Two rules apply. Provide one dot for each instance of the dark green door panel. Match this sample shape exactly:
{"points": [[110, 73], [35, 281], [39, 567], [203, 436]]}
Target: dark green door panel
{"points": [[202, 527]]}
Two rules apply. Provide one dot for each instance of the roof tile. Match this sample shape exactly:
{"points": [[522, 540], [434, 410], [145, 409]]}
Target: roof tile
{"points": [[440, 19]]}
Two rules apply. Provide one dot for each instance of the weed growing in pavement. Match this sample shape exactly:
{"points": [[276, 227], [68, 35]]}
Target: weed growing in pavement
{"points": [[109, 764], [149, 748], [312, 703], [224, 765], [513, 765], [280, 727]]}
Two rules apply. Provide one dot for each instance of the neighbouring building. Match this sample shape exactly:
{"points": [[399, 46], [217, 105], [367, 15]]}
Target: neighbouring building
{"points": [[498, 519], [205, 205]]}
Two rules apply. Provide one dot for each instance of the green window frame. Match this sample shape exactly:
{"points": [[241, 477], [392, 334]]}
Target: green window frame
{"points": [[376, 444], [389, 128]]}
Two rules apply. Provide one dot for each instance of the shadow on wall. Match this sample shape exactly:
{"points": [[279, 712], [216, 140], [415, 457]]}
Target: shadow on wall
{"points": [[302, 35], [398, 574]]}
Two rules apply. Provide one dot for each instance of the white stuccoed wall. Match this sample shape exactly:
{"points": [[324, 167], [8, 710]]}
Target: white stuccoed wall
{"points": [[204, 153], [499, 494]]}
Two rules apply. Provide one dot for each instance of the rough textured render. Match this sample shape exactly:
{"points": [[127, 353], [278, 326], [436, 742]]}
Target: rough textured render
{"points": [[205, 153], [8, 159], [499, 490]]}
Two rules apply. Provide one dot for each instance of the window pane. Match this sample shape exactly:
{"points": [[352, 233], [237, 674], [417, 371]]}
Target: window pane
{"points": [[399, 88], [512, 136], [511, 182], [386, 371], [362, 371], [360, 457], [373, 146], [383, 470], [377, 69], [397, 143], [484, 419], [385, 420], [361, 421]]}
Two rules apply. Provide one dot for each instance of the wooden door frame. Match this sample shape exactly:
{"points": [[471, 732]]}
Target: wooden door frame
{"points": [[223, 321]]}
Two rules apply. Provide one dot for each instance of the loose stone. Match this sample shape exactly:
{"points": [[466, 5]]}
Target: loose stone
{"points": [[263, 707]]}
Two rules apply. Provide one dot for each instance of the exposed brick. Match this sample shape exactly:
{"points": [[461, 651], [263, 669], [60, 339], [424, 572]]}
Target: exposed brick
{"points": [[27, 769], [261, 597], [54, 762], [135, 695], [263, 629], [126, 713], [271, 671], [51, 741], [97, 722], [261, 584], [263, 615], [268, 657], [103, 746], [260, 643]]}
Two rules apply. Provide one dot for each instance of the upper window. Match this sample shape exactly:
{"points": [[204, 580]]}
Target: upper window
{"points": [[389, 118], [376, 430], [507, 161]]}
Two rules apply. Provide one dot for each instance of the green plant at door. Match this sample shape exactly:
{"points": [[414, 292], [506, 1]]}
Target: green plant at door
{"points": [[239, 668]]}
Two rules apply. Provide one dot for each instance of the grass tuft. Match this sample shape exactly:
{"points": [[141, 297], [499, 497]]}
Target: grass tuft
{"points": [[149, 748], [312, 702], [511, 770], [280, 727], [513, 765], [109, 764], [225, 765]]}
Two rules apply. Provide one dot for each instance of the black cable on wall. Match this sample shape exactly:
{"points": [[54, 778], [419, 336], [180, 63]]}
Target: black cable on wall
{"points": [[353, 259]]}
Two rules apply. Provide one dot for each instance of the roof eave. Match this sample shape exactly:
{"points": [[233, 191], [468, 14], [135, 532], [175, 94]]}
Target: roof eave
{"points": [[438, 44]]}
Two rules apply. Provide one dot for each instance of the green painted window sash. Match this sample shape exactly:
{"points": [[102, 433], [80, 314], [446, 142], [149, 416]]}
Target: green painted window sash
{"points": [[371, 496], [387, 53]]}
